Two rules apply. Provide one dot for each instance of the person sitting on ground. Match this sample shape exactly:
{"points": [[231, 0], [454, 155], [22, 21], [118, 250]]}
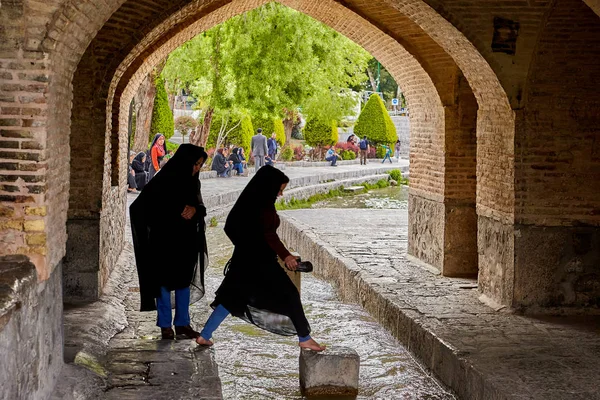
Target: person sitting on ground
{"points": [[351, 138], [167, 224], [332, 156], [242, 157], [255, 288], [269, 161], [220, 164], [237, 163], [131, 184], [138, 165], [388, 153]]}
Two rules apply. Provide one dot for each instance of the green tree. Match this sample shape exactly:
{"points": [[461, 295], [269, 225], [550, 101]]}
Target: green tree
{"points": [[184, 124], [162, 116], [279, 130], [375, 123], [270, 61], [318, 133]]}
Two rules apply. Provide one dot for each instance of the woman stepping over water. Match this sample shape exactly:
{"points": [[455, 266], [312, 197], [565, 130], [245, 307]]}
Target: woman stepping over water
{"points": [[255, 287]]}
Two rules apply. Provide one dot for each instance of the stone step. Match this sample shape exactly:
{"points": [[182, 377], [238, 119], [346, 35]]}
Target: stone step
{"points": [[354, 189], [333, 372]]}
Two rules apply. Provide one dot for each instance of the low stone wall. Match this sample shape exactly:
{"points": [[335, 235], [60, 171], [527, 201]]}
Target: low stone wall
{"points": [[31, 332], [340, 162]]}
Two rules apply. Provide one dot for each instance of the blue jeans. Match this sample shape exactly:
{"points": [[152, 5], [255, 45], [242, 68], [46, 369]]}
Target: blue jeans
{"points": [[218, 316], [239, 168], [182, 308], [387, 157], [333, 160]]}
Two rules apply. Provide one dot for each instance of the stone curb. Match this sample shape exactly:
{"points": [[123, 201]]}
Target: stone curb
{"points": [[301, 164], [403, 321]]}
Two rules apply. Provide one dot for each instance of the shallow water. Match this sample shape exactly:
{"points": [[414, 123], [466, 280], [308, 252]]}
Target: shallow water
{"points": [[393, 197], [254, 364]]}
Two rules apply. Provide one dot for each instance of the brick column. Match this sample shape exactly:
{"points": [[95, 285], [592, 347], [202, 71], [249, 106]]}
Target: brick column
{"points": [[442, 217]]}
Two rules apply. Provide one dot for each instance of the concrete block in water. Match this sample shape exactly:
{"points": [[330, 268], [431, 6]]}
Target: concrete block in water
{"points": [[354, 189], [333, 372]]}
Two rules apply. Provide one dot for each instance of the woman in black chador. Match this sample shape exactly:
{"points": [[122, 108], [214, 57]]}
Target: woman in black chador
{"points": [[167, 221], [255, 287]]}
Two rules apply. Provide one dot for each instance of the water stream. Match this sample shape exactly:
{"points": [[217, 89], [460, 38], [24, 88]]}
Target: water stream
{"points": [[254, 364]]}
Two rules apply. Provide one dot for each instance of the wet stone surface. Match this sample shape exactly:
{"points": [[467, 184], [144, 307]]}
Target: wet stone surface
{"points": [[255, 364]]}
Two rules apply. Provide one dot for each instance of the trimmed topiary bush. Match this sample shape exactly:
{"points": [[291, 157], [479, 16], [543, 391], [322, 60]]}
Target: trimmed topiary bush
{"points": [[162, 117], [375, 123], [320, 134], [287, 154], [266, 124], [348, 155], [279, 131]]}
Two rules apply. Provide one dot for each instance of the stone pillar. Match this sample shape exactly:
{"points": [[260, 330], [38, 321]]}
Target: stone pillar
{"points": [[442, 217]]}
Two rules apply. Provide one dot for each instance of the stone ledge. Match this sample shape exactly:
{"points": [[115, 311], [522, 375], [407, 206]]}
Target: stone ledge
{"points": [[17, 275], [477, 352]]}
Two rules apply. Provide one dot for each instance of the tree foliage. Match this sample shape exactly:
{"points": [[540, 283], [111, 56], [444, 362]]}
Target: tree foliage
{"points": [[239, 135], [162, 116], [184, 124], [279, 131], [267, 62], [318, 133], [375, 123]]}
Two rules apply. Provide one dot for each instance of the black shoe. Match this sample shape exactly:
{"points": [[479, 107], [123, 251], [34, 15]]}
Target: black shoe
{"points": [[304, 266], [187, 331], [167, 333]]}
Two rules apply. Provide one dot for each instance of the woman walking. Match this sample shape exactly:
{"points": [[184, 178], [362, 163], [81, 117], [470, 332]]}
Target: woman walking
{"points": [[167, 222], [255, 287], [157, 151]]}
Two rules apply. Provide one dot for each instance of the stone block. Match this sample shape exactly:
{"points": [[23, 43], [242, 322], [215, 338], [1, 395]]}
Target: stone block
{"points": [[333, 372], [354, 189]]}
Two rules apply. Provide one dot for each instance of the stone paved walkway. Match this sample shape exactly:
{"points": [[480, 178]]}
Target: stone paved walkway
{"points": [[478, 352]]}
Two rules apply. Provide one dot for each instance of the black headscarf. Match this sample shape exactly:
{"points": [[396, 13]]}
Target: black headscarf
{"points": [[137, 164], [258, 196], [156, 222]]}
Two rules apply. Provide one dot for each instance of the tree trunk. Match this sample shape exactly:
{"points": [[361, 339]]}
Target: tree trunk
{"points": [[288, 125], [144, 104], [201, 136], [372, 80]]}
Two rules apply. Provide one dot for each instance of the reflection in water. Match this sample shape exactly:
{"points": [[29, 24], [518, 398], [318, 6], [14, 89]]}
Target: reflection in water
{"points": [[255, 364], [393, 197]]}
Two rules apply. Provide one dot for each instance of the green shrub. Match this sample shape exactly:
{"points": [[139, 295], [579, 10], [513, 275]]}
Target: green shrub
{"points": [[279, 130], [171, 146], [265, 123], [239, 137], [213, 222], [162, 116], [396, 175], [380, 153], [348, 155], [287, 154], [375, 123], [318, 133]]}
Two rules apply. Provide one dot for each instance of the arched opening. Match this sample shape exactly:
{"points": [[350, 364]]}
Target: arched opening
{"points": [[443, 126]]}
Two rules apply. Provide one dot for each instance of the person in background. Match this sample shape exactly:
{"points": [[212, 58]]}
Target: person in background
{"points": [[388, 153], [258, 144], [272, 146], [397, 149], [131, 184], [332, 156], [255, 287], [141, 175], [237, 163], [167, 224], [364, 150], [242, 157], [220, 164], [156, 152], [269, 161]]}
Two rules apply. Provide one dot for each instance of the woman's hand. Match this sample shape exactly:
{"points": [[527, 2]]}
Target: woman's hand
{"points": [[291, 262], [188, 212]]}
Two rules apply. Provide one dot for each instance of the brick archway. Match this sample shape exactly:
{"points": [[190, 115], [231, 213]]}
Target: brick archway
{"points": [[462, 82]]}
